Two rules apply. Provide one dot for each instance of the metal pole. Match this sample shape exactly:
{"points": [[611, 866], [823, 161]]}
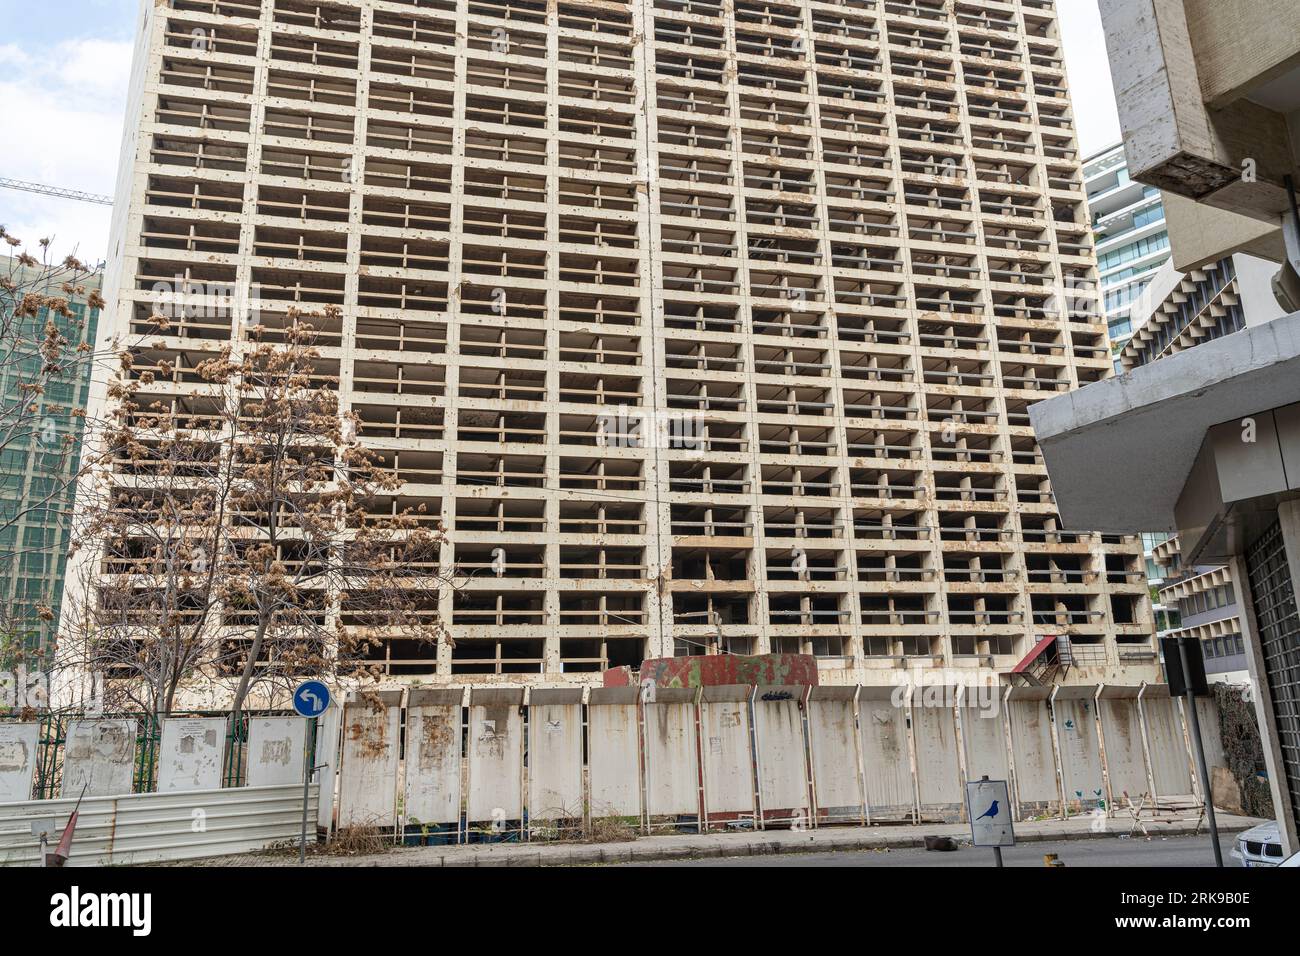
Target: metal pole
{"points": [[308, 759], [997, 850], [1200, 753]]}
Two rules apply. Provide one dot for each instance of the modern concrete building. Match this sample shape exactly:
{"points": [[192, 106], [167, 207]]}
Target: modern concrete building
{"points": [[1128, 221], [1177, 311], [38, 465], [1180, 310], [1171, 312], [1206, 442], [713, 327]]}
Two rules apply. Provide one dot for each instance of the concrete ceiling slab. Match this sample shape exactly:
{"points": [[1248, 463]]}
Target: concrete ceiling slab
{"points": [[1119, 451]]}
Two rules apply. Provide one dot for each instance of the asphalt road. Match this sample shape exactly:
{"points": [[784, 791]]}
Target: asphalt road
{"points": [[1106, 851]]}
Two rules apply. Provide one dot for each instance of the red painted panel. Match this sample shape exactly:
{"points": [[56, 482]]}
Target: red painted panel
{"points": [[714, 669]]}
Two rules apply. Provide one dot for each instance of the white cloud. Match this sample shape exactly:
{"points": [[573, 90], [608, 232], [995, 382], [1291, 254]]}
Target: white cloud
{"points": [[64, 105]]}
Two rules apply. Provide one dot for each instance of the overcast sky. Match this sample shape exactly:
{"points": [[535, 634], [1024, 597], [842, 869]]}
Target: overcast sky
{"points": [[63, 75]]}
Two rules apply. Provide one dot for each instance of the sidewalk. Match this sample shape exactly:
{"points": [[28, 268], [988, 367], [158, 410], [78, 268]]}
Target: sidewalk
{"points": [[685, 846]]}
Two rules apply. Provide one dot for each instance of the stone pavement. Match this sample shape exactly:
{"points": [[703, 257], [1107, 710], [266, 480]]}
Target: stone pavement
{"points": [[679, 846]]}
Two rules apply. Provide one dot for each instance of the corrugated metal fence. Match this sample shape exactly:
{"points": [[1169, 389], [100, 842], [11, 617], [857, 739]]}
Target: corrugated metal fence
{"points": [[496, 763], [149, 827], [508, 763]]}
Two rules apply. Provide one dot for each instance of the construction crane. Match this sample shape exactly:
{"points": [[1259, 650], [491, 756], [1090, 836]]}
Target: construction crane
{"points": [[76, 194]]}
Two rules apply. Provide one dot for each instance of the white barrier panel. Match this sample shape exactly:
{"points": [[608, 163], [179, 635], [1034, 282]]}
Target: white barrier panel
{"points": [[555, 754], [98, 755], [614, 745], [984, 736], [1121, 732], [727, 756], [832, 739], [1076, 731], [671, 766], [276, 748], [1207, 711], [782, 764], [938, 770], [149, 827], [368, 765], [432, 786], [189, 753], [1169, 766], [886, 763], [496, 759], [18, 743], [1031, 746], [328, 727]]}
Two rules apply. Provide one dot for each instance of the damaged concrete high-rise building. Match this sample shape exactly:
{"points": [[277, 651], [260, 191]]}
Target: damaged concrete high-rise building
{"points": [[703, 327]]}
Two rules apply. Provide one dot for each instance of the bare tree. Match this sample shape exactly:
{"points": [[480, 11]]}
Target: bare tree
{"points": [[46, 354], [234, 549]]}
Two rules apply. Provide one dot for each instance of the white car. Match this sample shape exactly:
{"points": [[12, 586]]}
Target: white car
{"points": [[1262, 846]]}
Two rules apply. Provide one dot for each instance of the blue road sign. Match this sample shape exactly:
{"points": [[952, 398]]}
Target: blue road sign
{"points": [[311, 698]]}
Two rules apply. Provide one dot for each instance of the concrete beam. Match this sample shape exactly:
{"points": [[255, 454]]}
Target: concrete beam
{"points": [[1174, 139], [1120, 451]]}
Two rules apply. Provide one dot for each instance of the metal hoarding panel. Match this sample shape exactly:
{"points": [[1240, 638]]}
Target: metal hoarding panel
{"points": [[938, 771], [1076, 731], [190, 752], [983, 734], [555, 754], [728, 757], [276, 748], [1031, 750], [782, 765], [1207, 711], [1122, 734], [368, 767], [18, 744], [433, 756], [672, 767], [1169, 765], [99, 756], [833, 740], [886, 763], [496, 734], [614, 765], [328, 729]]}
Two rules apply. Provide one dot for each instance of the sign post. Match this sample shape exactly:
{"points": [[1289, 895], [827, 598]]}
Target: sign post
{"points": [[988, 807], [1185, 670], [310, 699]]}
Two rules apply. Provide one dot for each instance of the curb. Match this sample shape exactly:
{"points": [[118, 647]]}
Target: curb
{"points": [[646, 852]]}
